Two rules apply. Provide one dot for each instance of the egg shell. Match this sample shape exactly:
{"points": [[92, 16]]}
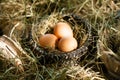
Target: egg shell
{"points": [[63, 29], [67, 44], [48, 41]]}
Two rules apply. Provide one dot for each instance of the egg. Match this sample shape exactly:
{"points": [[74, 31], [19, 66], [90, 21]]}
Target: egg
{"points": [[67, 44], [48, 41], [62, 29]]}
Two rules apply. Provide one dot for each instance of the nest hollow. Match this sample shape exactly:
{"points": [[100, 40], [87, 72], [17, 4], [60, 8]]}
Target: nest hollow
{"points": [[81, 31]]}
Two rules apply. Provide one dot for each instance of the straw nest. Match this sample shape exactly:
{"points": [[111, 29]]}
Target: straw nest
{"points": [[81, 31], [109, 50]]}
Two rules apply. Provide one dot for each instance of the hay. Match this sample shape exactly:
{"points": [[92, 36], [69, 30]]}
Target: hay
{"points": [[108, 49], [29, 13]]}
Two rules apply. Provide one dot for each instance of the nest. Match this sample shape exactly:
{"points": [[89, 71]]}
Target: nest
{"points": [[109, 50], [81, 31]]}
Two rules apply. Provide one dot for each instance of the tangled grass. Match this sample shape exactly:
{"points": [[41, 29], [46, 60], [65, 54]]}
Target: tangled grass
{"points": [[18, 14]]}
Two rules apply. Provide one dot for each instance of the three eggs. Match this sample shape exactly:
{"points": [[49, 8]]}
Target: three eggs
{"points": [[62, 38]]}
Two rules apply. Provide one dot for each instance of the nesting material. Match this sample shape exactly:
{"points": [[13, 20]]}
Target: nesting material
{"points": [[108, 48], [81, 32]]}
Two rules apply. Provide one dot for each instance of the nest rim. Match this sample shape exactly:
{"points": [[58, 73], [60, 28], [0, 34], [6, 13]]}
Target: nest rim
{"points": [[57, 54]]}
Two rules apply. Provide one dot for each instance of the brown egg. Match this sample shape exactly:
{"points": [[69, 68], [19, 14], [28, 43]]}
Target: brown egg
{"points": [[62, 29], [48, 41], [67, 44]]}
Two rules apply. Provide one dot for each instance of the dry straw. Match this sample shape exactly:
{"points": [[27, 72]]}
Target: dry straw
{"points": [[15, 12], [108, 49]]}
